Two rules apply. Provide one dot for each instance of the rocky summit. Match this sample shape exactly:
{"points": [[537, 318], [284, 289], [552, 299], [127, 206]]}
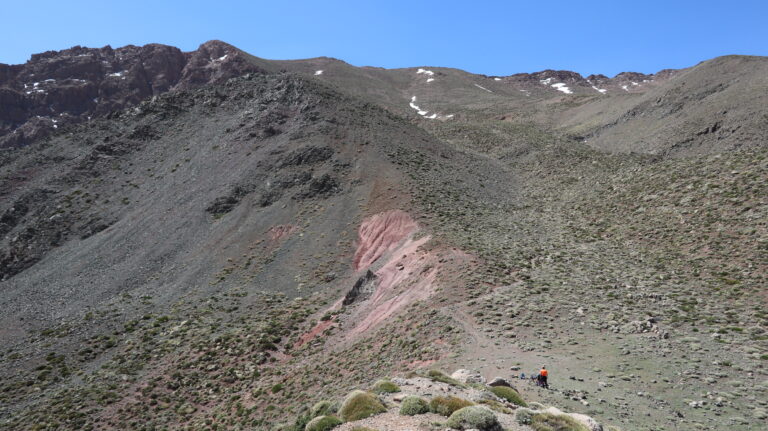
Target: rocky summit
{"points": [[211, 240]]}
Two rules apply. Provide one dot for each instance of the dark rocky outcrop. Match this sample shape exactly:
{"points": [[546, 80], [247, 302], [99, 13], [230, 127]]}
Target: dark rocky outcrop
{"points": [[74, 85], [362, 289]]}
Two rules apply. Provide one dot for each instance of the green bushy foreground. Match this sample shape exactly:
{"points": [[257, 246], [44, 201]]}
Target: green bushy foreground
{"points": [[323, 423], [509, 394], [474, 417], [360, 405], [447, 405], [413, 405]]}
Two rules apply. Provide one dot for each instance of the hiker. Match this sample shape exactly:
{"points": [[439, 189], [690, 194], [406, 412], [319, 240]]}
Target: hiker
{"points": [[543, 377], [522, 376]]}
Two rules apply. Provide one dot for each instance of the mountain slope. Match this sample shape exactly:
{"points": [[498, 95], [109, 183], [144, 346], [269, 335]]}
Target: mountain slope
{"points": [[225, 256]]}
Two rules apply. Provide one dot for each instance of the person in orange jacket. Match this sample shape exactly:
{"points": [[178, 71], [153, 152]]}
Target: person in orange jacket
{"points": [[543, 377]]}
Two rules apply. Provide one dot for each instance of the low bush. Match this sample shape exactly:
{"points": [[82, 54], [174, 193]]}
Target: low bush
{"points": [[322, 408], [474, 417], [323, 423], [497, 406], [524, 416], [385, 387], [360, 405], [447, 405], [413, 405], [550, 422], [439, 376], [509, 394]]}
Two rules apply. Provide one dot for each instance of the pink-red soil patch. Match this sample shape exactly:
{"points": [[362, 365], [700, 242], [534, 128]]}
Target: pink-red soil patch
{"points": [[380, 234], [314, 332]]}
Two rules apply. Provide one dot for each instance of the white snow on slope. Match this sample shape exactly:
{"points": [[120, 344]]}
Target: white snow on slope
{"points": [[546, 81], [424, 113], [414, 106], [483, 88], [430, 79], [222, 58], [625, 88], [497, 79], [318, 72], [425, 71], [118, 74], [601, 90], [561, 87]]}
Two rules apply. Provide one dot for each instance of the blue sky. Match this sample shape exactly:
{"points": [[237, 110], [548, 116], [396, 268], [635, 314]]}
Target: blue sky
{"points": [[490, 37]]}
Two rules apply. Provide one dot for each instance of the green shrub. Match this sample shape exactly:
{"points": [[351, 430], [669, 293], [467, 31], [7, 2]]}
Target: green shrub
{"points": [[474, 417], [439, 376], [413, 405], [385, 387], [323, 423], [360, 405], [550, 422], [497, 406], [509, 394], [447, 405], [299, 424], [524, 416], [322, 408]]}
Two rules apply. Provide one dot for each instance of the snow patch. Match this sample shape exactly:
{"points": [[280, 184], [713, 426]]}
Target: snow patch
{"points": [[424, 113], [430, 79], [318, 72], [561, 87], [497, 79], [222, 58], [426, 72], [120, 74], [546, 81], [601, 90], [483, 88], [625, 88]]}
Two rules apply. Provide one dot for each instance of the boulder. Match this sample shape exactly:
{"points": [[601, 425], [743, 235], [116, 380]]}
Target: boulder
{"points": [[500, 381], [468, 376]]}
